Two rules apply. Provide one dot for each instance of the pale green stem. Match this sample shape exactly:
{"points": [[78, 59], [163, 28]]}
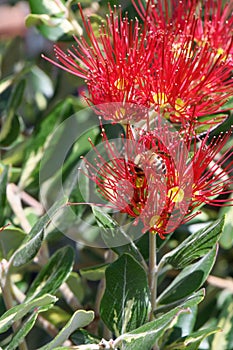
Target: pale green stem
{"points": [[152, 274]]}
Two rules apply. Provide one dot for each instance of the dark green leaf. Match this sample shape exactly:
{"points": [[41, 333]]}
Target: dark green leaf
{"points": [[126, 299], [53, 274], [79, 319], [184, 325], [28, 250], [147, 335], [225, 322], [115, 237], [26, 327], [23, 331], [3, 184], [210, 122], [189, 279], [19, 311], [193, 340], [16, 97], [11, 126], [83, 337], [10, 131], [195, 246]]}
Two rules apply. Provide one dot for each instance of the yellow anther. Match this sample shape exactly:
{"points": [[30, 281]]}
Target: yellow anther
{"points": [[155, 221], [120, 84], [139, 181], [120, 113], [176, 194], [220, 51], [160, 98], [179, 105]]}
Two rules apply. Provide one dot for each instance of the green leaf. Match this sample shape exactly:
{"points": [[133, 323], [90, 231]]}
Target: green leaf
{"points": [[42, 223], [189, 279], [210, 122], [49, 7], [184, 325], [104, 219], [6, 82], [25, 328], [76, 285], [56, 316], [94, 273], [10, 131], [226, 239], [3, 184], [10, 239], [81, 336], [13, 157], [193, 340], [125, 303], [11, 125], [28, 250], [23, 331], [53, 274], [195, 246], [165, 308], [114, 235], [225, 337], [16, 97], [147, 335], [19, 311], [51, 19], [52, 27], [79, 319], [41, 137]]}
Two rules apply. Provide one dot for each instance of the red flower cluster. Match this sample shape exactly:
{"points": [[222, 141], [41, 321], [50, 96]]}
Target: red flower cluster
{"points": [[173, 64], [176, 67], [160, 179]]}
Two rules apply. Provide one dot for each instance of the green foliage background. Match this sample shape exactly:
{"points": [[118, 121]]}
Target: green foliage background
{"points": [[45, 266]]}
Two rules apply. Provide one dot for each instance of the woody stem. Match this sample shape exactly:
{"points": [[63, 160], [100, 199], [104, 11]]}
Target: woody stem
{"points": [[152, 273]]}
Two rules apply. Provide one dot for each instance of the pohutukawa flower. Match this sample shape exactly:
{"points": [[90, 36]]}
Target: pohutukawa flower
{"points": [[192, 74], [187, 83], [112, 62], [143, 180], [208, 21], [216, 26], [154, 181], [212, 171], [167, 15]]}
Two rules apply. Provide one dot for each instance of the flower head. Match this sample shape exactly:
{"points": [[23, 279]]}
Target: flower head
{"points": [[216, 26], [113, 61], [191, 77], [212, 171], [208, 21], [141, 177], [154, 178], [188, 82]]}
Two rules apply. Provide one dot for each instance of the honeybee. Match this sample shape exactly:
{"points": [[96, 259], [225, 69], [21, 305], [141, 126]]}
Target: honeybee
{"points": [[151, 159], [148, 159]]}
